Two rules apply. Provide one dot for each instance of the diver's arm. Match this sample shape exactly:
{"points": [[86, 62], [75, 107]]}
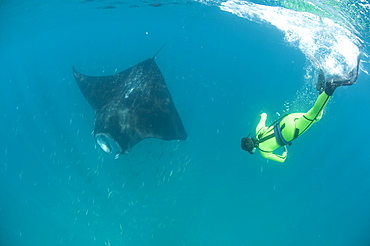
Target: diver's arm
{"points": [[275, 157], [261, 123]]}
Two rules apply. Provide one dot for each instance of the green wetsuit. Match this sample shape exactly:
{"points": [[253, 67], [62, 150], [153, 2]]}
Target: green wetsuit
{"points": [[287, 129]]}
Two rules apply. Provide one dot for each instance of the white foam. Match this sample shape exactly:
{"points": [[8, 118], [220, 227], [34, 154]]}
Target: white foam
{"points": [[325, 43]]}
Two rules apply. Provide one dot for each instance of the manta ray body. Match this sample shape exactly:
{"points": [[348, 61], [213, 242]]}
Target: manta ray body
{"points": [[130, 106]]}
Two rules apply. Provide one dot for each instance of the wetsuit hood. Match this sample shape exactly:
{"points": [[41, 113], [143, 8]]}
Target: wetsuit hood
{"points": [[249, 144]]}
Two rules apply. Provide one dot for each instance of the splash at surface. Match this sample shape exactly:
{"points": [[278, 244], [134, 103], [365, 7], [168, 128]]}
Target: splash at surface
{"points": [[327, 44]]}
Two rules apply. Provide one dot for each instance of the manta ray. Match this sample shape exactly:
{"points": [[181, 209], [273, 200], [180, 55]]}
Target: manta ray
{"points": [[130, 106]]}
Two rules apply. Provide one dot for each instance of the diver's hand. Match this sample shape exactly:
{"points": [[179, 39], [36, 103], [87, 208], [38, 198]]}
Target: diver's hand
{"points": [[285, 149], [284, 155]]}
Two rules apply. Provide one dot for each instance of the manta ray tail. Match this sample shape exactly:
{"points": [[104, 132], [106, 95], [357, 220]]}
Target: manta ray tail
{"points": [[162, 47]]}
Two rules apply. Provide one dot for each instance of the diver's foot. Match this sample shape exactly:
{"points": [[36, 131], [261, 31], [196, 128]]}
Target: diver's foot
{"points": [[330, 88], [334, 82], [339, 81]]}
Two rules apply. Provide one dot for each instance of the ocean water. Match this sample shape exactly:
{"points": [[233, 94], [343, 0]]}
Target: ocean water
{"points": [[226, 63]]}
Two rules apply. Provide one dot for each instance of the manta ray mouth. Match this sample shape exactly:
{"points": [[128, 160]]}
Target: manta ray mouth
{"points": [[107, 143]]}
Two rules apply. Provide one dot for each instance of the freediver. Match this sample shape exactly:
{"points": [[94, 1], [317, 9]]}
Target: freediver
{"points": [[286, 129]]}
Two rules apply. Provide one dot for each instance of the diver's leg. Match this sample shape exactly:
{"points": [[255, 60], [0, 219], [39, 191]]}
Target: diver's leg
{"points": [[297, 123], [313, 115], [289, 122], [317, 109]]}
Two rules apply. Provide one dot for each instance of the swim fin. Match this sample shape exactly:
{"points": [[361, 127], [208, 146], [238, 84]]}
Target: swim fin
{"points": [[335, 81], [353, 74], [348, 79], [320, 85]]}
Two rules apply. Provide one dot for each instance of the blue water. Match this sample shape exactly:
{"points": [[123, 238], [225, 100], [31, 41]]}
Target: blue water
{"points": [[58, 188]]}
